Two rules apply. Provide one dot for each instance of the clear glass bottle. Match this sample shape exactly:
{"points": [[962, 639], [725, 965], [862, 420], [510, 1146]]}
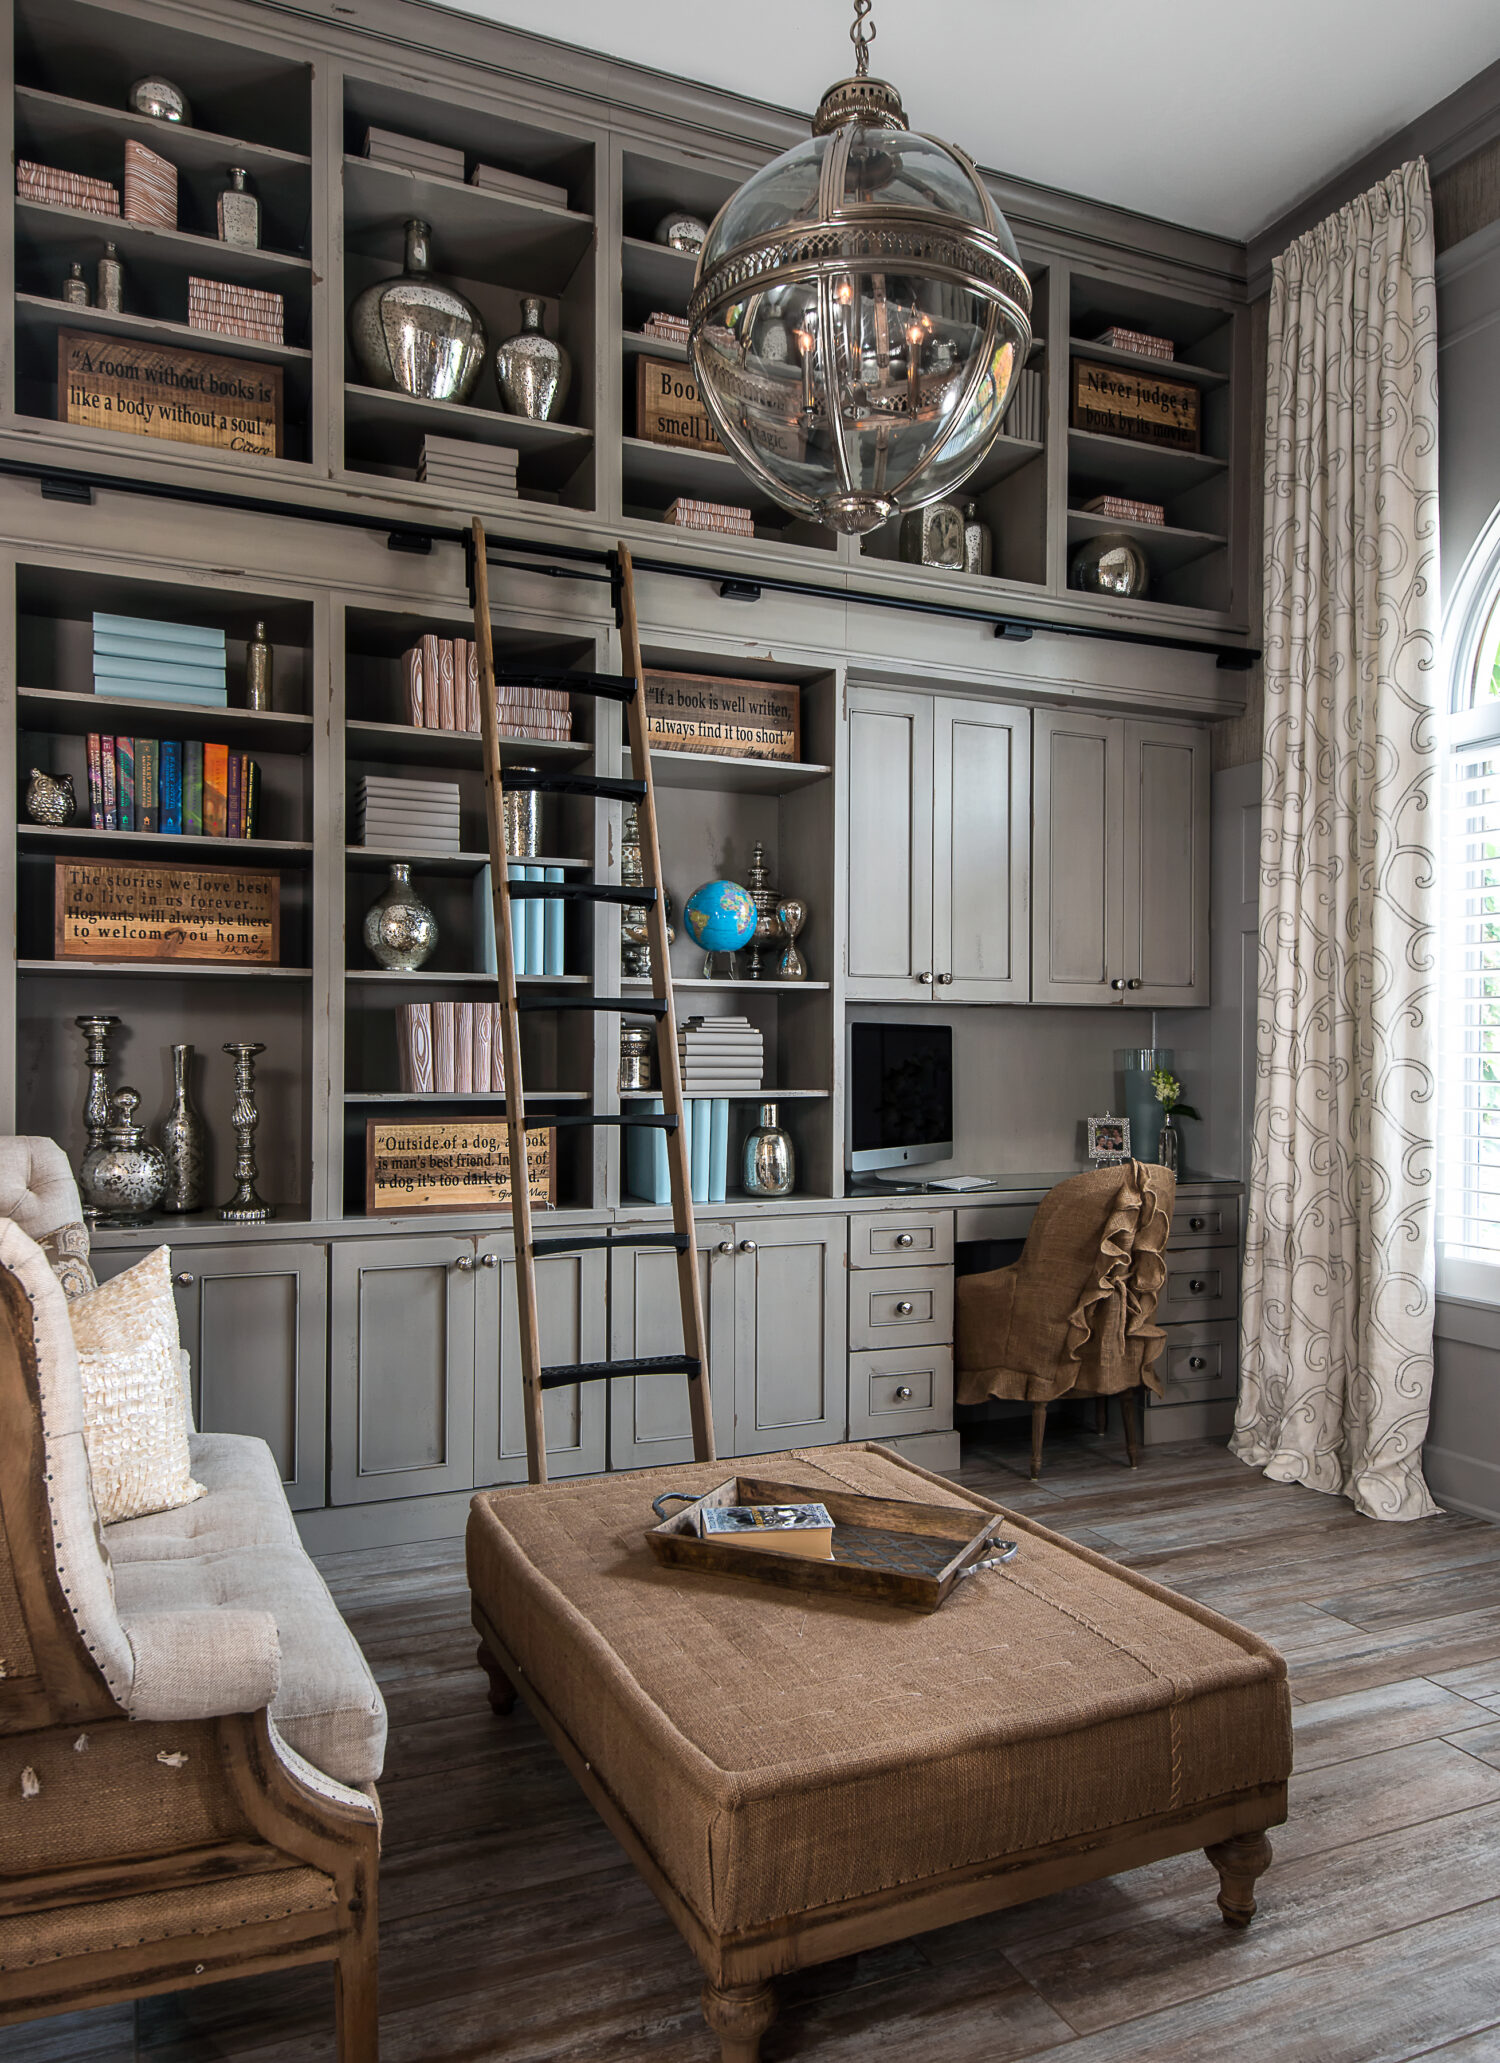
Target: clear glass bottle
{"points": [[239, 212], [1169, 1146]]}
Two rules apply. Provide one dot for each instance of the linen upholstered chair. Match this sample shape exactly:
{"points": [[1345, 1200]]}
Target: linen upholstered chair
{"points": [[1074, 1316], [188, 1732]]}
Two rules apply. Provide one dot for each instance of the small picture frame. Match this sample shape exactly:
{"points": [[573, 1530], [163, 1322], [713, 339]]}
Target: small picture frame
{"points": [[1109, 1140]]}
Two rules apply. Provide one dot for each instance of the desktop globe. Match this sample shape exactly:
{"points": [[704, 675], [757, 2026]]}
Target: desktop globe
{"points": [[721, 916]]}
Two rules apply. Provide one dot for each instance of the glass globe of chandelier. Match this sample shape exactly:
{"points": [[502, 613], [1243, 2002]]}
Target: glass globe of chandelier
{"points": [[859, 316]]}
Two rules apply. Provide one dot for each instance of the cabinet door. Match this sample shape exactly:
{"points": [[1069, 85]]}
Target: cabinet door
{"points": [[1077, 900], [890, 845], [1166, 865], [648, 1414], [402, 1367], [791, 1374], [570, 1299], [981, 852], [255, 1321]]}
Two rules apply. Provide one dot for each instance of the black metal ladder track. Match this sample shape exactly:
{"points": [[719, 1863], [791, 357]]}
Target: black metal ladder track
{"points": [[603, 788], [607, 687], [626, 1006], [581, 892]]}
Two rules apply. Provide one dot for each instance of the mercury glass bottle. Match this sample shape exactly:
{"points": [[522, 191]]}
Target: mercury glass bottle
{"points": [[534, 373], [76, 288], [400, 932], [123, 1178], [770, 1162], [979, 546], [111, 282], [415, 333], [239, 212], [260, 665], [184, 1141]]}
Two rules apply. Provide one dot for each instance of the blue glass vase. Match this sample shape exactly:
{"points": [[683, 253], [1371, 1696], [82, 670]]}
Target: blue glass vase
{"points": [[1141, 1107]]}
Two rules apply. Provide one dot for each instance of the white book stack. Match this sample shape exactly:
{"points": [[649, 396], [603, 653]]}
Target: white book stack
{"points": [[474, 472], [517, 187], [720, 1056], [413, 154], [407, 816]]}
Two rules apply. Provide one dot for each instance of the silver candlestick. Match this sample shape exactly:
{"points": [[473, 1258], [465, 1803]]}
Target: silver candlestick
{"points": [[246, 1206], [96, 1113]]}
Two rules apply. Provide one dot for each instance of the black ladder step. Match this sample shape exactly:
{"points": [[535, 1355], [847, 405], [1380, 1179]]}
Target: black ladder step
{"points": [[654, 1122], [608, 687], [579, 892], [601, 786], [593, 1242], [596, 1371], [629, 1006]]}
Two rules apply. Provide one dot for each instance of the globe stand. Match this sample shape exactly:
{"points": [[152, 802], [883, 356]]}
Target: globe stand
{"points": [[731, 973]]}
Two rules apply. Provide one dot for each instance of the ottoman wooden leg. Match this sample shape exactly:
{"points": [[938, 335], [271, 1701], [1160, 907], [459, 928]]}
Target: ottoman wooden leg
{"points": [[502, 1690], [1239, 1861], [739, 2016]]}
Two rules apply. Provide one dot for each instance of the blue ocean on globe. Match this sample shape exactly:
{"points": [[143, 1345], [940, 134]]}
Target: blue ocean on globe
{"points": [[721, 916]]}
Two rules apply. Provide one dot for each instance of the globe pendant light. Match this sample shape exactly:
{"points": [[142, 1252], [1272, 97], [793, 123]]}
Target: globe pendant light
{"points": [[860, 315]]}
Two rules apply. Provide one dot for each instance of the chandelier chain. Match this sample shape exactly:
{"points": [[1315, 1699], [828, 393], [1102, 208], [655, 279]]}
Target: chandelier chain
{"points": [[862, 36]]}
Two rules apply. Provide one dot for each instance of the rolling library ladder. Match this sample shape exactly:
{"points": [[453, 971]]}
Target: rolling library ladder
{"points": [[537, 1378]]}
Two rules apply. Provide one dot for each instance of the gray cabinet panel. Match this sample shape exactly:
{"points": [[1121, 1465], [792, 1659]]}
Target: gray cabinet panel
{"points": [[1166, 864], [255, 1321], [571, 1296], [900, 1390], [1076, 903], [1199, 1363], [981, 847], [1200, 1285], [877, 1238], [790, 1364], [894, 1306], [890, 844], [648, 1414], [402, 1402]]}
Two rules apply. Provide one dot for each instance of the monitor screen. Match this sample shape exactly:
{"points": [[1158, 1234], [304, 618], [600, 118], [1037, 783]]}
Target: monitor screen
{"points": [[900, 1095]]}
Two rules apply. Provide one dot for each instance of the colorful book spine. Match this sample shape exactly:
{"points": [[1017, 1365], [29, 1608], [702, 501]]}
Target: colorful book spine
{"points": [[147, 788], [96, 782], [125, 780], [718, 1151], [215, 790], [170, 781], [252, 798], [110, 778], [552, 927], [533, 915], [192, 788], [234, 797]]}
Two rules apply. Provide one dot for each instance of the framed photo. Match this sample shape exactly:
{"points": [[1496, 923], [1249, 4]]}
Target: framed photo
{"points": [[1109, 1140]]}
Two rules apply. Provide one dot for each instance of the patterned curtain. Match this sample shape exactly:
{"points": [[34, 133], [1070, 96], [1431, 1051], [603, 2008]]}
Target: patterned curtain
{"points": [[1336, 1346]]}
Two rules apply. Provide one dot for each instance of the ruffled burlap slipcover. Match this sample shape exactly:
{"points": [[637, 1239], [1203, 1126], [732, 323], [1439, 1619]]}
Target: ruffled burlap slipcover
{"points": [[1075, 1315]]}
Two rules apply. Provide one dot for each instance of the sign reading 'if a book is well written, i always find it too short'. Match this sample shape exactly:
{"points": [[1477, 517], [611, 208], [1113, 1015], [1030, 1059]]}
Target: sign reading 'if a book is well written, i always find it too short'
{"points": [[733, 719]]}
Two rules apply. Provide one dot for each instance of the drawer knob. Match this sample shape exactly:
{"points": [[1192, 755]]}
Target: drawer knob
{"points": [[903, 1309], [1197, 1285], [903, 1394], [1197, 1361], [903, 1239], [747, 1246], [186, 1278], [1196, 1224]]}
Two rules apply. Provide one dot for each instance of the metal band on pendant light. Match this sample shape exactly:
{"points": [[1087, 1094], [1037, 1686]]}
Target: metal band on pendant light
{"points": [[860, 315]]}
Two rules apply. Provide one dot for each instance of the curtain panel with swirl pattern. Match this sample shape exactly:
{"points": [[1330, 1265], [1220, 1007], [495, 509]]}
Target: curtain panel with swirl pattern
{"points": [[1336, 1346]]}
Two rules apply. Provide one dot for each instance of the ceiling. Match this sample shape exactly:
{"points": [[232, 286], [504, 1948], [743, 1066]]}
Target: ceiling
{"points": [[1212, 113]]}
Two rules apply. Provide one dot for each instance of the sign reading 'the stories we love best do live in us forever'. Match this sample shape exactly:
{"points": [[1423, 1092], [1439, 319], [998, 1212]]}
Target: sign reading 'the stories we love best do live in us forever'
{"points": [[114, 910]]}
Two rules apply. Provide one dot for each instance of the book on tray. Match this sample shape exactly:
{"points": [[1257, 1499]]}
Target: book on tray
{"points": [[800, 1529], [184, 787]]}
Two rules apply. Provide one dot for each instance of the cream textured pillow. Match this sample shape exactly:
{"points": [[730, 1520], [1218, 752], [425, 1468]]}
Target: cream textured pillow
{"points": [[134, 1422]]}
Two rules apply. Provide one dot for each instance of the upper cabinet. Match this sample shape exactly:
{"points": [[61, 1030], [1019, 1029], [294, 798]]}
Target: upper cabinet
{"points": [[938, 836], [1120, 913]]}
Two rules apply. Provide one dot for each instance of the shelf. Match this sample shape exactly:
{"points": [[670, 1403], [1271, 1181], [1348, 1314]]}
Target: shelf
{"points": [[1005, 456], [376, 857], [485, 1098], [447, 978], [403, 744], [735, 1096], [706, 770], [637, 346], [656, 474], [74, 715], [75, 232], [1145, 471], [656, 269], [1165, 546], [170, 969], [530, 245], [752, 988], [38, 313], [47, 119], [1138, 361], [551, 452], [123, 843]]}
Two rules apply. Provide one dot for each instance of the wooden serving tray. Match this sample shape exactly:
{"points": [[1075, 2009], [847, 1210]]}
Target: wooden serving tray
{"points": [[883, 1548]]}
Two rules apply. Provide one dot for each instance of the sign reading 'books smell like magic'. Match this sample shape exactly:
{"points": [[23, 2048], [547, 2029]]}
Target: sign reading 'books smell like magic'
{"points": [[108, 910], [154, 390], [734, 719]]}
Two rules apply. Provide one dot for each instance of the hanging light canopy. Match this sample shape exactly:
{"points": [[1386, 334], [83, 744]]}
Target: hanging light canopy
{"points": [[860, 315]]}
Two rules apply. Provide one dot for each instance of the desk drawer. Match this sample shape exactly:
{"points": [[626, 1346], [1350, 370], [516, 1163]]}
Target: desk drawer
{"points": [[1199, 1364], [896, 1307], [887, 1239], [1202, 1285], [906, 1390], [1205, 1221]]}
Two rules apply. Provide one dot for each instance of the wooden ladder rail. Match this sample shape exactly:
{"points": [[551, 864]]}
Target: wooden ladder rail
{"points": [[694, 1360]]}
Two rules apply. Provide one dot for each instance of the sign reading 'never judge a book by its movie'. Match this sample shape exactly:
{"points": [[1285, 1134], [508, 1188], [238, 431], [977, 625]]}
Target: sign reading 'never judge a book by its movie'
{"points": [[156, 390]]}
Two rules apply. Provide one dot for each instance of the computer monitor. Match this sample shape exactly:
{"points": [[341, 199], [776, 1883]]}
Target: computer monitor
{"points": [[900, 1096]]}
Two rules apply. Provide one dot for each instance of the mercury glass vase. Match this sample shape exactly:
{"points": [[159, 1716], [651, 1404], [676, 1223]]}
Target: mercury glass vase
{"points": [[415, 334], [123, 1178], [534, 373], [400, 931], [184, 1141], [770, 1162]]}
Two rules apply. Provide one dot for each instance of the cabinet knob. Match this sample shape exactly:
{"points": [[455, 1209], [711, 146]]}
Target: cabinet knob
{"points": [[747, 1246], [903, 1309], [903, 1239], [1196, 1361], [1134, 982], [903, 1394], [926, 979], [489, 1260], [944, 979], [465, 1264], [185, 1278], [1118, 982], [725, 1246], [1197, 1285], [1196, 1224]]}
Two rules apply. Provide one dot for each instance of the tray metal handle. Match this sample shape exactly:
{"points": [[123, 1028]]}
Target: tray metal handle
{"points": [[673, 1497], [1009, 1549]]}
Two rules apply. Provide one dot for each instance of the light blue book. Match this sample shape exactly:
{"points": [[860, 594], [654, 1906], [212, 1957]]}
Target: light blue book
{"points": [[168, 633], [118, 690], [486, 959], [718, 1151], [646, 1174], [552, 928], [534, 912], [703, 1112], [520, 941], [151, 666]]}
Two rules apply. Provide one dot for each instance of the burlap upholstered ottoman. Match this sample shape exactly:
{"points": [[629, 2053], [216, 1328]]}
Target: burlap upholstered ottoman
{"points": [[799, 1777]]}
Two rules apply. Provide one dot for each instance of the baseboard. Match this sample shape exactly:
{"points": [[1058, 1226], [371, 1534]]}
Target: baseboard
{"points": [[1460, 1483], [393, 1522], [1167, 1422], [937, 1451]]}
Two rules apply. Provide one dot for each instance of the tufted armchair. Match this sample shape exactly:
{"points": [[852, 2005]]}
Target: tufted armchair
{"points": [[188, 1733]]}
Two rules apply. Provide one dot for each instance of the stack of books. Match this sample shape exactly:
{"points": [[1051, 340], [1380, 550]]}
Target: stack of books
{"points": [[490, 179], [450, 1049], [441, 677], [536, 923], [470, 472], [720, 1056], [194, 789], [1138, 341], [705, 1128], [150, 187], [1027, 416], [1121, 509], [231, 311], [395, 815], [65, 189], [142, 660], [526, 712], [723, 516], [413, 154], [667, 329]]}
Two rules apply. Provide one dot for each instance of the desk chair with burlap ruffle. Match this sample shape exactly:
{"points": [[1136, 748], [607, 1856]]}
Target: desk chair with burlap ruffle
{"points": [[1074, 1317]]}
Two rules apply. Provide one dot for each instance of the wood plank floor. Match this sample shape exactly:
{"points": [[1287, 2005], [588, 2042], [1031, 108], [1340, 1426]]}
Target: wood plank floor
{"points": [[513, 1928]]}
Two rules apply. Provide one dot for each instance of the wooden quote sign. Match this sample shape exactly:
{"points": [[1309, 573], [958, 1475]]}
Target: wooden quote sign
{"points": [[669, 408], [156, 390], [113, 910], [733, 719], [462, 1166], [1117, 402]]}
